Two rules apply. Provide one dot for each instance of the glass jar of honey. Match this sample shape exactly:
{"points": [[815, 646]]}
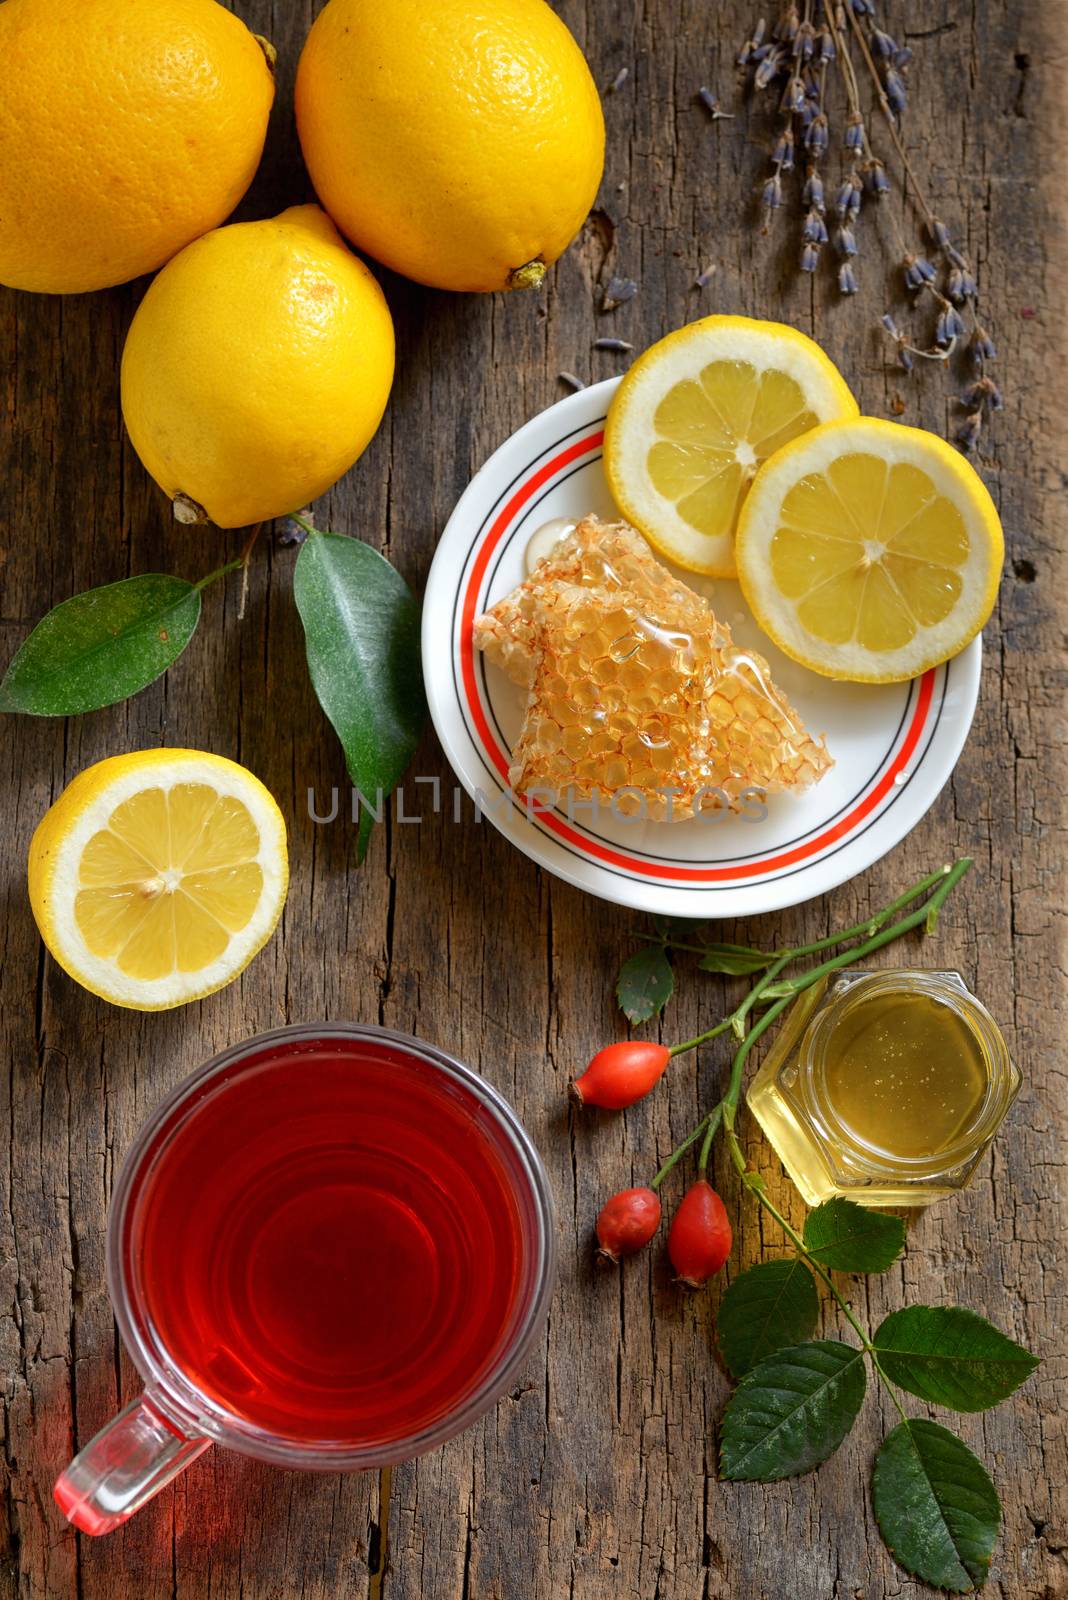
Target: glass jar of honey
{"points": [[884, 1087]]}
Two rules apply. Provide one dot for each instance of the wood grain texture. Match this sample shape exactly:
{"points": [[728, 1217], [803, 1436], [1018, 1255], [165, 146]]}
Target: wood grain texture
{"points": [[594, 1478]]}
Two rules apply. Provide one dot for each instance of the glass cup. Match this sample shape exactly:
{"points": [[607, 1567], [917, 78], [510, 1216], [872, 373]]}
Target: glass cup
{"points": [[438, 1124]]}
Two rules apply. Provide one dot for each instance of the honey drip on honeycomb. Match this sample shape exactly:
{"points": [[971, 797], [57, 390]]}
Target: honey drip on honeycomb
{"points": [[634, 686]]}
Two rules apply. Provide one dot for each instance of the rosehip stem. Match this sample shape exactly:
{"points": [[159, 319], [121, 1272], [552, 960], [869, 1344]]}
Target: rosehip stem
{"points": [[706, 1126], [754, 1184]]}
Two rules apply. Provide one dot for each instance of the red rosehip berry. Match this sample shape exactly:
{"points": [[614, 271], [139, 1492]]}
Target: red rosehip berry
{"points": [[627, 1222], [699, 1240], [620, 1074]]}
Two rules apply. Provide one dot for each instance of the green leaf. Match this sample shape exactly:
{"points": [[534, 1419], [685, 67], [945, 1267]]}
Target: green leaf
{"points": [[778, 991], [645, 983], [361, 629], [772, 1305], [936, 1507], [101, 646], [849, 1238], [736, 959], [951, 1357], [792, 1411]]}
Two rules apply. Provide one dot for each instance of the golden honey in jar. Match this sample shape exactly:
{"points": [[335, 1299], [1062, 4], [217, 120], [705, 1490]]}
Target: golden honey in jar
{"points": [[885, 1087]]}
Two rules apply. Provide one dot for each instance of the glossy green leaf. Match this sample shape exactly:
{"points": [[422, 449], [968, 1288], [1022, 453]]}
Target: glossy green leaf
{"points": [[935, 1505], [735, 959], [951, 1357], [772, 1305], [101, 646], [849, 1238], [645, 984], [361, 628], [792, 1411]]}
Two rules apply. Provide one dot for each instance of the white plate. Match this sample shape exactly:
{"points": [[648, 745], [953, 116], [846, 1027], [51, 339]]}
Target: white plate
{"points": [[894, 746]]}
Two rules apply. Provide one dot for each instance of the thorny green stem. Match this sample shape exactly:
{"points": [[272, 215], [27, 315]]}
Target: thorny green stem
{"points": [[754, 1185], [782, 958], [925, 915]]}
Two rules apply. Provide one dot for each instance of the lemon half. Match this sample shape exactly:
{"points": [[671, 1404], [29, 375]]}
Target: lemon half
{"points": [[694, 418], [157, 876], [869, 551]]}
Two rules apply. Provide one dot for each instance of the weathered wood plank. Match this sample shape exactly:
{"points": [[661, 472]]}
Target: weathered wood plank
{"points": [[595, 1477]]}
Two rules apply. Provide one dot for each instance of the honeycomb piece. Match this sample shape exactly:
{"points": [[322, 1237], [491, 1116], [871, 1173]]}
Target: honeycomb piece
{"points": [[634, 686]]}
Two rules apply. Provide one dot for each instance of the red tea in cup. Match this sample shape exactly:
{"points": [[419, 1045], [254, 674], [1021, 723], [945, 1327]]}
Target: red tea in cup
{"points": [[330, 1248]]}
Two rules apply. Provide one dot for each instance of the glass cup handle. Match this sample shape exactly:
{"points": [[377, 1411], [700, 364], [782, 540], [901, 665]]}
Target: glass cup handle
{"points": [[126, 1463]]}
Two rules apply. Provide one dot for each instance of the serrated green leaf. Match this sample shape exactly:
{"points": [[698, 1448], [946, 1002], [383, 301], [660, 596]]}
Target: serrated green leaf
{"points": [[361, 629], [951, 1357], [849, 1238], [792, 1411], [773, 1305], [645, 984], [735, 959], [937, 1510], [102, 646]]}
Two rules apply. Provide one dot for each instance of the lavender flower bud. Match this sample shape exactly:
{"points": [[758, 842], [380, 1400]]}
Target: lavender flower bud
{"points": [[982, 347], [918, 271], [968, 435], [902, 56], [882, 45], [814, 229], [890, 325], [771, 193], [783, 154], [984, 392], [847, 279], [854, 131], [950, 327], [769, 66], [812, 193], [805, 43], [962, 286], [904, 358], [816, 136], [828, 54], [896, 93], [875, 178], [787, 25], [939, 233], [810, 255], [794, 98], [845, 241]]}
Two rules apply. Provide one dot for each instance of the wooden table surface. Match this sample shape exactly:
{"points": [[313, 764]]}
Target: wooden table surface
{"points": [[594, 1477]]}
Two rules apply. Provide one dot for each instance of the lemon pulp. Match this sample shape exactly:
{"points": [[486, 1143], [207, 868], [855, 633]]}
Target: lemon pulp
{"points": [[713, 432], [869, 552], [164, 886]]}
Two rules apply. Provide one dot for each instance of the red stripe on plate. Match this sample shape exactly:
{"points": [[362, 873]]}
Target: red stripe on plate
{"points": [[593, 848]]}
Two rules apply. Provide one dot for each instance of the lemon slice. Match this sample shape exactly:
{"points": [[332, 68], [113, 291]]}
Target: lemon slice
{"points": [[696, 415], [869, 551], [157, 876]]}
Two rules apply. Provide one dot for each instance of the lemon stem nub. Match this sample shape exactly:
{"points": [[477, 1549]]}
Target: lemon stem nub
{"points": [[529, 277], [268, 49], [187, 511]]}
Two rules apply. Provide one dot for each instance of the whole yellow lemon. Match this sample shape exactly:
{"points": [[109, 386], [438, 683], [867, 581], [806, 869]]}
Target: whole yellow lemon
{"points": [[460, 142], [126, 130], [257, 368]]}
